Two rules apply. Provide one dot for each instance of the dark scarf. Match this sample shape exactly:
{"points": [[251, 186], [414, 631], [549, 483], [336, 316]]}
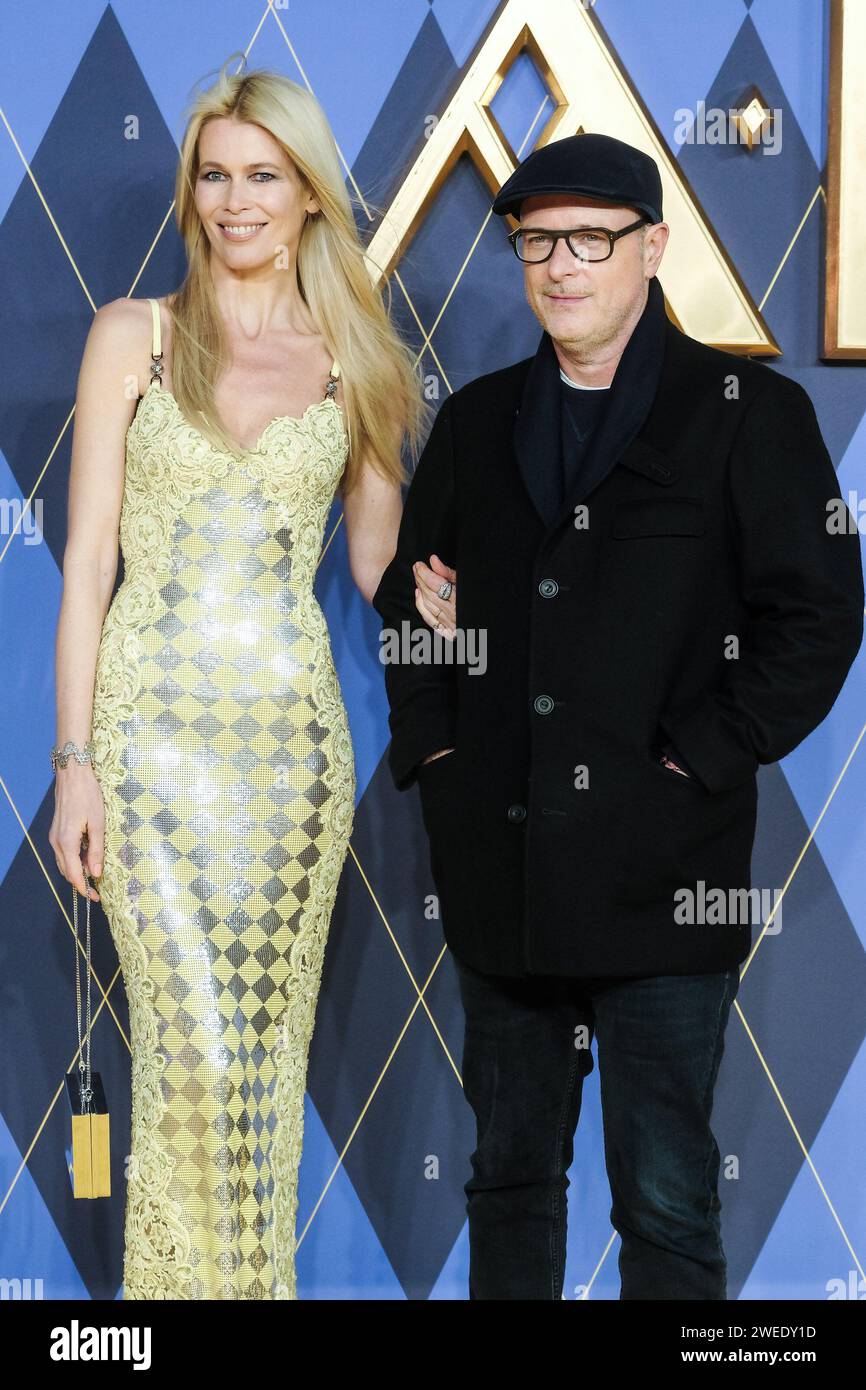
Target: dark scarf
{"points": [[537, 432]]}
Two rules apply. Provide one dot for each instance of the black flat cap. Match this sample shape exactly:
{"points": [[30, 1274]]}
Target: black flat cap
{"points": [[597, 165]]}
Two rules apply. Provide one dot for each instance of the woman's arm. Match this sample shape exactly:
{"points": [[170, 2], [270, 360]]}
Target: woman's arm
{"points": [[371, 512], [104, 406]]}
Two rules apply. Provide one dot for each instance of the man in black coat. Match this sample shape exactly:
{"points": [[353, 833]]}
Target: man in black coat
{"points": [[639, 527]]}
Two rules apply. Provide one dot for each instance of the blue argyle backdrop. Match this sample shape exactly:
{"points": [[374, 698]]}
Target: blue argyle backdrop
{"points": [[85, 217]]}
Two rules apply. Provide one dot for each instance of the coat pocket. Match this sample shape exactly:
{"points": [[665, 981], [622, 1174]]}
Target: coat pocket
{"points": [[434, 779], [650, 516], [668, 774], [424, 769]]}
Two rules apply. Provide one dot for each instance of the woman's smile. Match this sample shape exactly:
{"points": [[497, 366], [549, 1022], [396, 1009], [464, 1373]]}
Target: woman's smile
{"points": [[241, 231]]}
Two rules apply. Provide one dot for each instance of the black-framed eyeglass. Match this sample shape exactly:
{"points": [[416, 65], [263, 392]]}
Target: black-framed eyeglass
{"points": [[536, 244]]}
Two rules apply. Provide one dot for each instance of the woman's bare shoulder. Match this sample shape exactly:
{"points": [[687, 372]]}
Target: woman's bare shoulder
{"points": [[125, 321], [116, 355], [119, 327], [122, 334]]}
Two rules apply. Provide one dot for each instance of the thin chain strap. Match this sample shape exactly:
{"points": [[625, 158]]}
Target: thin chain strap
{"points": [[84, 1069]]}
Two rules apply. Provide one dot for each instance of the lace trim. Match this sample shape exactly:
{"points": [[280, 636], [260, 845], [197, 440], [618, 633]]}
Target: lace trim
{"points": [[295, 1026], [167, 462]]}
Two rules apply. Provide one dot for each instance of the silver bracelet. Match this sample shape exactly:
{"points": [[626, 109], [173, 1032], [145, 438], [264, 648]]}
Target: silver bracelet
{"points": [[60, 756]]}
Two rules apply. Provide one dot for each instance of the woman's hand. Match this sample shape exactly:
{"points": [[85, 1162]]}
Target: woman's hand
{"points": [[438, 613], [78, 810]]}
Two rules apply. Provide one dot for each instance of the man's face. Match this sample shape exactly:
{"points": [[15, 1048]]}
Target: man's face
{"points": [[585, 304]]}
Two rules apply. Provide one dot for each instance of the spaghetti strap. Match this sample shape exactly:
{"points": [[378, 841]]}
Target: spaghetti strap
{"points": [[156, 346]]}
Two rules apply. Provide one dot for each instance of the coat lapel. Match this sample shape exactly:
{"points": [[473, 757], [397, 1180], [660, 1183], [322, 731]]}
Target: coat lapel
{"points": [[537, 433], [537, 436]]}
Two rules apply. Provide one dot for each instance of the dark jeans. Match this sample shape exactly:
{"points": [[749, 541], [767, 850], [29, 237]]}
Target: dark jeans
{"points": [[660, 1042]]}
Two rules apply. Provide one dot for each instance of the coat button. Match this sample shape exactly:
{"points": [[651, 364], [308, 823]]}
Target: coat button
{"points": [[542, 704], [548, 588], [516, 813]]}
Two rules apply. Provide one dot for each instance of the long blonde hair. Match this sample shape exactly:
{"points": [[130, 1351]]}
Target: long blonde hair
{"points": [[380, 380]]}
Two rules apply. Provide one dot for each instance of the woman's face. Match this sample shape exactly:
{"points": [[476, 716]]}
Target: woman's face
{"points": [[246, 181]]}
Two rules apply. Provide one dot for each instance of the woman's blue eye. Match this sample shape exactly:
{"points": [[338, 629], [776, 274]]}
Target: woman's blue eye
{"points": [[262, 173]]}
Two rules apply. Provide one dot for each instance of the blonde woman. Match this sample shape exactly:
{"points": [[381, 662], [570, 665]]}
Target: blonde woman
{"points": [[214, 802]]}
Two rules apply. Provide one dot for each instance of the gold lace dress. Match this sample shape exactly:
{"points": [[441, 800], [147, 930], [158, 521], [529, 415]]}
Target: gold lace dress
{"points": [[222, 749]]}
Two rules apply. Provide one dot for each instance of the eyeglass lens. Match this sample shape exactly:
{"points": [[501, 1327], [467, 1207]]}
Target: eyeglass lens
{"points": [[586, 245]]}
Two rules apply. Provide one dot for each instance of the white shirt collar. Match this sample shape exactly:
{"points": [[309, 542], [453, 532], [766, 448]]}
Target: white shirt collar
{"points": [[577, 386]]}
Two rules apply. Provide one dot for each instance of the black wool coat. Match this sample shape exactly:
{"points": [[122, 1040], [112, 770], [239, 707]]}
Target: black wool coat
{"points": [[557, 838]]}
